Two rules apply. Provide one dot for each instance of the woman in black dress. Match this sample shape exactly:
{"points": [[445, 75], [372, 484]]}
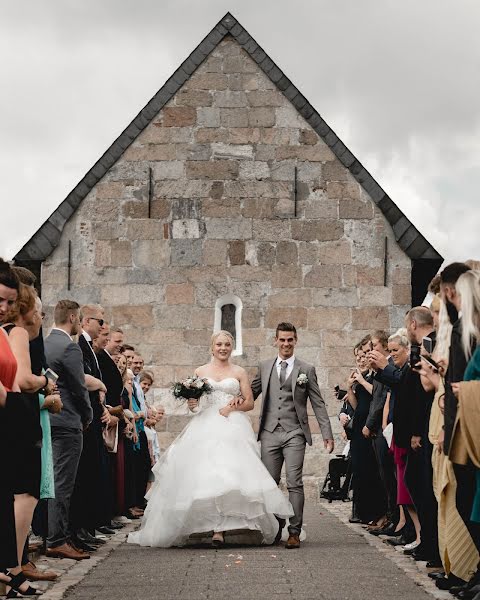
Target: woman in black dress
{"points": [[369, 502]]}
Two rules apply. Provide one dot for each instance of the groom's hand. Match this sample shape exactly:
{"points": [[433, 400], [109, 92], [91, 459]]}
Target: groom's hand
{"points": [[329, 445]]}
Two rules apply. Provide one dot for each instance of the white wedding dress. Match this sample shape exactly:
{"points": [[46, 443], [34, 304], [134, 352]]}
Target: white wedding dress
{"points": [[211, 478]]}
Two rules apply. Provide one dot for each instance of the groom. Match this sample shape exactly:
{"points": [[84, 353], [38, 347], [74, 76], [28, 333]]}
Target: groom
{"points": [[285, 384]]}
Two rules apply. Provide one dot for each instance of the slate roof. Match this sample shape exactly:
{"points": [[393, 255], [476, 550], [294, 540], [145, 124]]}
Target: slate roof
{"points": [[43, 242]]}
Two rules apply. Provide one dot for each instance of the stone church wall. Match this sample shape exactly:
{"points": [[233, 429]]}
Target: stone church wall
{"points": [[222, 155]]}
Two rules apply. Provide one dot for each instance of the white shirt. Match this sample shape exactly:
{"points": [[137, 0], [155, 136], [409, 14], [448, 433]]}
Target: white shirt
{"points": [[289, 362], [140, 395], [62, 330]]}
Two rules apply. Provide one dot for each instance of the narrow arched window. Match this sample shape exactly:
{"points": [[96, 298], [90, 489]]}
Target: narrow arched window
{"points": [[228, 316]]}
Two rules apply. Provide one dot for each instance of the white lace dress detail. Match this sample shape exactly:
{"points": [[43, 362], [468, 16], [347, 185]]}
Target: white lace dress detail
{"points": [[211, 478]]}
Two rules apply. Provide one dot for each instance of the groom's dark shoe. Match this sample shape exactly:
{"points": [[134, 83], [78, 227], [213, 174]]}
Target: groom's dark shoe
{"points": [[293, 542]]}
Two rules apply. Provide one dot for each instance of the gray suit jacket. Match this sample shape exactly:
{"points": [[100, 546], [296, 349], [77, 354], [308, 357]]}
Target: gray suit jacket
{"points": [[66, 359], [300, 394]]}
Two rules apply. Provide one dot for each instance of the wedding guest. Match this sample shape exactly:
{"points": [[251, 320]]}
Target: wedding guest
{"points": [[129, 353], [368, 495], [26, 447], [65, 358], [9, 390]]}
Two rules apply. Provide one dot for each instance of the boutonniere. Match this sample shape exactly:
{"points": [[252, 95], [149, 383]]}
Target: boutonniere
{"points": [[302, 379]]}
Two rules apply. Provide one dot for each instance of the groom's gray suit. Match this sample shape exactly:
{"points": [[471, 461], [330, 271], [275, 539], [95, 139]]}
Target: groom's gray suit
{"points": [[284, 428]]}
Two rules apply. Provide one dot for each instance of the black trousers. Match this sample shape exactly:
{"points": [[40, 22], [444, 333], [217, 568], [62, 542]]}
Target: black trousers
{"points": [[466, 488], [142, 469], [387, 470]]}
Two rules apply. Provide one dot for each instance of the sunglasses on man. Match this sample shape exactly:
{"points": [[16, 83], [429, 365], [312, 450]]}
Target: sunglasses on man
{"points": [[100, 321]]}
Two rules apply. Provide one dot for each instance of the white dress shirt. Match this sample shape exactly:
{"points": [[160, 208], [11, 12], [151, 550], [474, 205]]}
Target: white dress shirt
{"points": [[289, 362]]}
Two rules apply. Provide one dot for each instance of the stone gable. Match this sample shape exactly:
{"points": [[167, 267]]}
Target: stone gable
{"points": [[216, 168]]}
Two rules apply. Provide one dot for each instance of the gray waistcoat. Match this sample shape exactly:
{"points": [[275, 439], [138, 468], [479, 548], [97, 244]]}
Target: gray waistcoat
{"points": [[280, 406]]}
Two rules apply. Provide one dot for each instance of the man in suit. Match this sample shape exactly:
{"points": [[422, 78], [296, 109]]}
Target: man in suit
{"points": [[285, 384], [65, 358], [88, 503]]}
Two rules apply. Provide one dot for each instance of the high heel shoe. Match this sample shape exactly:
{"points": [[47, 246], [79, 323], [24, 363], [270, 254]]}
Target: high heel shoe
{"points": [[14, 584]]}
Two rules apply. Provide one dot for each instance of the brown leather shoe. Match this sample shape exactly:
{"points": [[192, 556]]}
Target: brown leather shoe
{"points": [[293, 542], [33, 574], [66, 551]]}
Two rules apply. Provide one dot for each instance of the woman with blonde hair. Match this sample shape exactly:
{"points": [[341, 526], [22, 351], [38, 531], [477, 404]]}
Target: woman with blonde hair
{"points": [[211, 479]]}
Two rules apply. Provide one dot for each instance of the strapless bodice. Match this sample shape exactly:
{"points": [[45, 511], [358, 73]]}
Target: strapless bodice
{"points": [[229, 385]]}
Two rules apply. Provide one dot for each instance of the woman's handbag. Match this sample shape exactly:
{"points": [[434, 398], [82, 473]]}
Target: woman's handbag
{"points": [[110, 438], [349, 428]]}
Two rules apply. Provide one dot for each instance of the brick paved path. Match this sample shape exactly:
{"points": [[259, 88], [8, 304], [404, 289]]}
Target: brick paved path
{"points": [[335, 563]]}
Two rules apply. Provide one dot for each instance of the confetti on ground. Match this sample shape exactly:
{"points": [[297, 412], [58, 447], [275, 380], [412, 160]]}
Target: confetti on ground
{"points": [[238, 562], [274, 556], [231, 555], [239, 557]]}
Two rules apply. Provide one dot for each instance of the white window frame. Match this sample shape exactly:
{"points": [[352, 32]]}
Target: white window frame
{"points": [[235, 300]]}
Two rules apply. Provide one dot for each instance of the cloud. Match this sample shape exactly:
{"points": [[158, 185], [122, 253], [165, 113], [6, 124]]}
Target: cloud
{"points": [[397, 82]]}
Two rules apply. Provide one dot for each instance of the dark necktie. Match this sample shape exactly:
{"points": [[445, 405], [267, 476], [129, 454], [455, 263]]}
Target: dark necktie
{"points": [[283, 372]]}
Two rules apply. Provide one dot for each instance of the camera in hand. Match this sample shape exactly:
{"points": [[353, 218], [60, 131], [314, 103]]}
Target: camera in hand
{"points": [[340, 394], [414, 355]]}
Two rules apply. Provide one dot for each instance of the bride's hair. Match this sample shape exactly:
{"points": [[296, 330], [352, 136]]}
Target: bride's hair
{"points": [[219, 333]]}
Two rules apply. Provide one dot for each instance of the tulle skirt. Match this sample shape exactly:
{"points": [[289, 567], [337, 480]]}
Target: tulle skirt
{"points": [[211, 479]]}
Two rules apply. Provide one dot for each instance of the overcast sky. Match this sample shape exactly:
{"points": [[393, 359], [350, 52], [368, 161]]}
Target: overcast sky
{"points": [[397, 80]]}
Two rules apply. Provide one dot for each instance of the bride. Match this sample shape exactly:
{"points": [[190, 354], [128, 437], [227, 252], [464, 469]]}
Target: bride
{"points": [[211, 477]]}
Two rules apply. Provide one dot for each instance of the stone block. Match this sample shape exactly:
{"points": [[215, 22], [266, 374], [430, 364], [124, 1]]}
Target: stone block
{"points": [[401, 293], [355, 209], [323, 276], [186, 209], [317, 153], [336, 356], [316, 206], [308, 171], [121, 253], [179, 293], [229, 229], [248, 272], [209, 134], [284, 276], [229, 151], [214, 252], [171, 169], [149, 292], [216, 169], [258, 98], [284, 208], [225, 207], [255, 337], [297, 316], [185, 253], [103, 210], [207, 293], [135, 209], [140, 315], [307, 253], [173, 317], [194, 152], [401, 275], [372, 317], [263, 208], [261, 117], [112, 295], [244, 82], [234, 117], [102, 230], [287, 253], [290, 298], [349, 276], [341, 338], [207, 81], [186, 229], [195, 337], [321, 318], [110, 189], [335, 297], [103, 253], [217, 190], [183, 189], [229, 99], [204, 317], [397, 316], [254, 170], [155, 133], [243, 135], [258, 189], [239, 64], [270, 230], [319, 229], [265, 253], [334, 171], [308, 136], [236, 252], [335, 252], [194, 98], [160, 208], [375, 296], [264, 152], [287, 116], [274, 136], [208, 117], [283, 171], [150, 152], [251, 317], [348, 189], [145, 229], [367, 276]]}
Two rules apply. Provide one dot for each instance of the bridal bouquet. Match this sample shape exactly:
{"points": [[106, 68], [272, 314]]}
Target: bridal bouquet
{"points": [[192, 387]]}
